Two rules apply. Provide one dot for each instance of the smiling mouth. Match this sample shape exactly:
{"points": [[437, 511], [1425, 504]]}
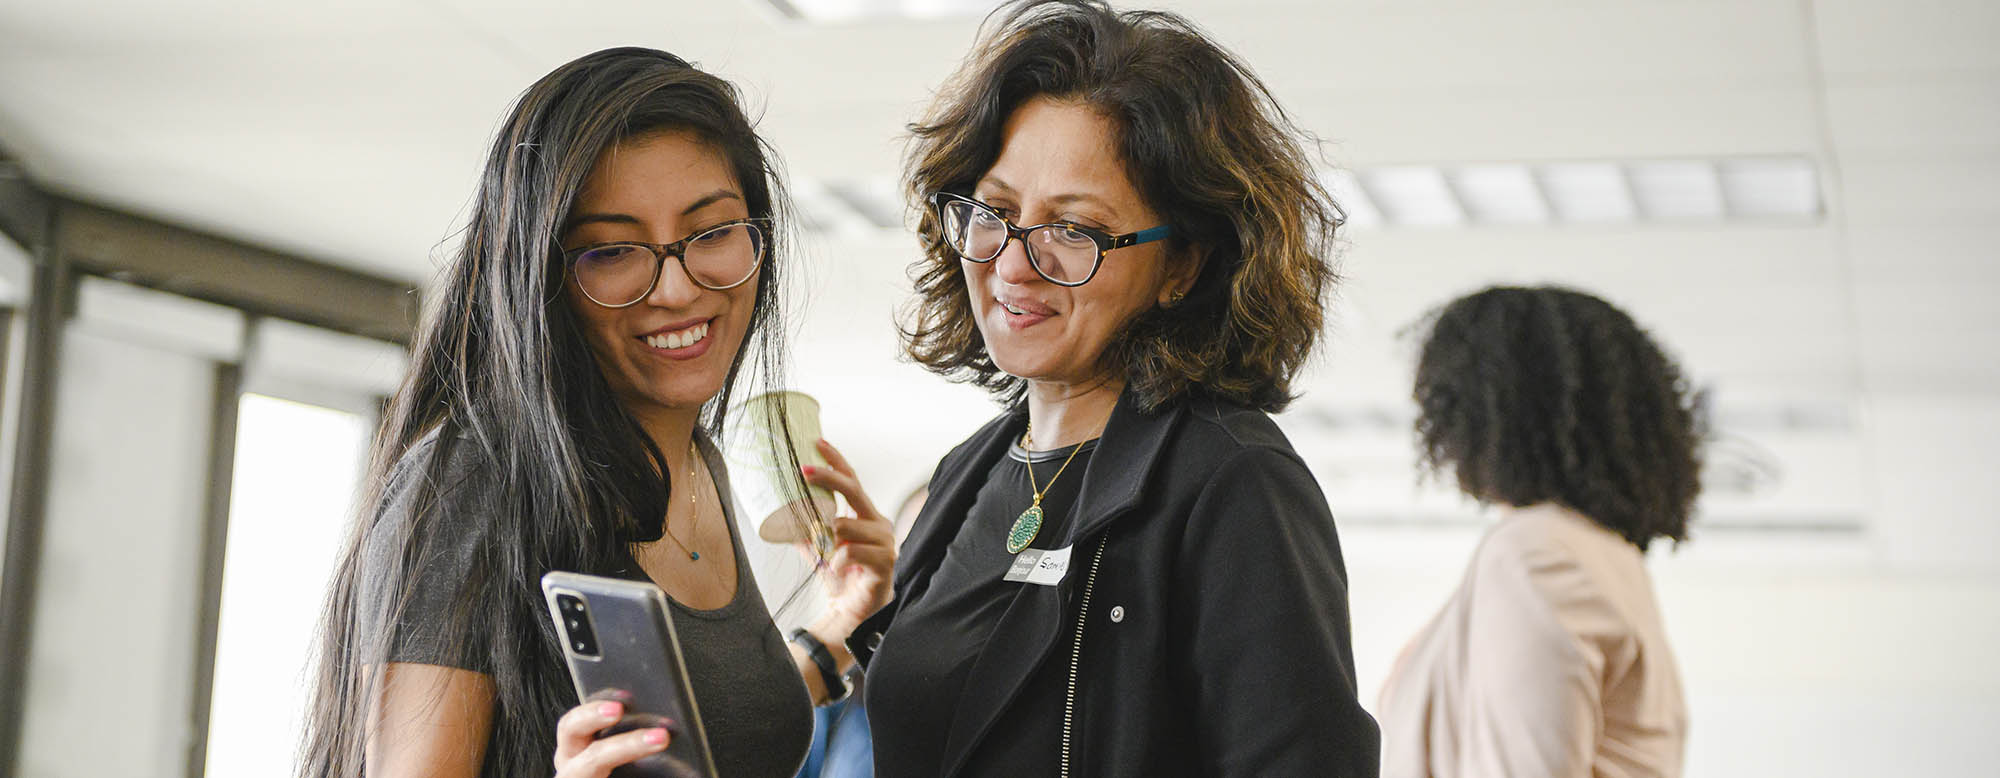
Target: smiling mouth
{"points": [[1020, 311], [678, 339]]}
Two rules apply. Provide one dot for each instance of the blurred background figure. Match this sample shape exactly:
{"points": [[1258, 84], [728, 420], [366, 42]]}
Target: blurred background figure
{"points": [[1551, 659]]}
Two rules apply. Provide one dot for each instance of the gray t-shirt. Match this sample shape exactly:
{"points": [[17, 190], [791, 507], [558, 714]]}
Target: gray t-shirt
{"points": [[754, 705]]}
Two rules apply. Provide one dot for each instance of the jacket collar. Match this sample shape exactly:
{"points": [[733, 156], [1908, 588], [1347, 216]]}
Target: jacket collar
{"points": [[1113, 484], [1113, 479], [952, 490]]}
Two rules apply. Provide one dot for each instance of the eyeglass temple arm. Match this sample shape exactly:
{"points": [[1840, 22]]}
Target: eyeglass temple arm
{"points": [[1142, 236]]}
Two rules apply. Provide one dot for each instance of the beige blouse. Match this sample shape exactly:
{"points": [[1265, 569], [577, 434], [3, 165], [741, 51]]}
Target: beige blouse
{"points": [[1549, 661]]}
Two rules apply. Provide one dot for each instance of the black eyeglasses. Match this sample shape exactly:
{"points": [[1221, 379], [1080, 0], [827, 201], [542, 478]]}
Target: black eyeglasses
{"points": [[616, 275], [1064, 253]]}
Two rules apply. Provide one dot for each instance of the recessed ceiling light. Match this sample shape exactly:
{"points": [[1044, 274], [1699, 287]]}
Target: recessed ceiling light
{"points": [[875, 202], [819, 211], [1413, 195], [1780, 187], [1550, 193], [1500, 194], [1677, 190], [1353, 201], [856, 10], [1588, 192]]}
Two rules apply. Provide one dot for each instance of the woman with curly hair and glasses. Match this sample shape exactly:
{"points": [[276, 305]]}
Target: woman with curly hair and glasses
{"points": [[1551, 659], [1129, 571]]}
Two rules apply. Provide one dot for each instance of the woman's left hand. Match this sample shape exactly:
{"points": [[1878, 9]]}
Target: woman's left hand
{"points": [[864, 558]]}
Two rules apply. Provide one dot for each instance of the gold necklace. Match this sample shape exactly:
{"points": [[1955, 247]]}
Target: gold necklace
{"points": [[1030, 521], [694, 511]]}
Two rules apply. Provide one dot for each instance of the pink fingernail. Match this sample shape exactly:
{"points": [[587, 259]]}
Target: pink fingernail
{"points": [[656, 736], [609, 709], [809, 469]]}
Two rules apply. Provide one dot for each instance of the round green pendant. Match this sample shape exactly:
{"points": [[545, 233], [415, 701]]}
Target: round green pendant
{"points": [[1024, 529]]}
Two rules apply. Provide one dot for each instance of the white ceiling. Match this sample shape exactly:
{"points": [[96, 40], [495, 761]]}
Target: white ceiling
{"points": [[352, 132]]}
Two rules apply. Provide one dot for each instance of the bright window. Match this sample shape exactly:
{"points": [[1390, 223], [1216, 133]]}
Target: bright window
{"points": [[297, 473]]}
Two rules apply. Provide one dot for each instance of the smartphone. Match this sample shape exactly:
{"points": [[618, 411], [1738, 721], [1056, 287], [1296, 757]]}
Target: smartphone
{"points": [[618, 639]]}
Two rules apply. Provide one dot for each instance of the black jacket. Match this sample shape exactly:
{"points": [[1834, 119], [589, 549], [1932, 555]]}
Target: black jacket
{"points": [[1208, 576]]}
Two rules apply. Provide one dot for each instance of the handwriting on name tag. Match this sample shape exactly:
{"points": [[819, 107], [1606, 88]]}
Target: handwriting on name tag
{"points": [[1042, 567]]}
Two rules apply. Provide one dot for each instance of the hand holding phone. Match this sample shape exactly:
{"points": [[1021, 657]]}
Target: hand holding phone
{"points": [[585, 750], [638, 718]]}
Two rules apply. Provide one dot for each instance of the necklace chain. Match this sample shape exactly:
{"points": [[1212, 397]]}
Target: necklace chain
{"points": [[1029, 524], [1027, 439], [694, 511]]}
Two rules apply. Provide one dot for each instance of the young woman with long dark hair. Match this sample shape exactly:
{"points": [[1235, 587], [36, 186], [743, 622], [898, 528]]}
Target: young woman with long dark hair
{"points": [[618, 276]]}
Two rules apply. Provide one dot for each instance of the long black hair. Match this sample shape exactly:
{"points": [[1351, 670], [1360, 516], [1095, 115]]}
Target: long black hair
{"points": [[503, 384], [1547, 394]]}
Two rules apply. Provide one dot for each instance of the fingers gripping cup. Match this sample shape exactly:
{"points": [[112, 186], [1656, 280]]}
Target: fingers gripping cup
{"points": [[770, 435]]}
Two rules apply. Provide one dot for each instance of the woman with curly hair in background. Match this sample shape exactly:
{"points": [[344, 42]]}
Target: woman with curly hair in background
{"points": [[1550, 660]]}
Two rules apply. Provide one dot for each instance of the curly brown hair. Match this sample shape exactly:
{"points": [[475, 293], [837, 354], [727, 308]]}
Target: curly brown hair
{"points": [[1552, 395], [1208, 148]]}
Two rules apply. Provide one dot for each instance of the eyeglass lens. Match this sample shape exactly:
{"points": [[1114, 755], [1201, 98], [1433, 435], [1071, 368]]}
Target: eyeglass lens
{"points": [[978, 233], [621, 273]]}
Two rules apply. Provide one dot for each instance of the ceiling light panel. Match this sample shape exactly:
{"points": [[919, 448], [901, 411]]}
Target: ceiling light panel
{"points": [[1677, 190], [1735, 190], [876, 200], [1499, 194], [832, 11], [1413, 196], [820, 211], [1588, 192], [1784, 187], [1352, 199]]}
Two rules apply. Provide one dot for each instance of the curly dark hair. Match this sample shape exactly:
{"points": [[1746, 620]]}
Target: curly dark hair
{"points": [[1210, 151], [1551, 395]]}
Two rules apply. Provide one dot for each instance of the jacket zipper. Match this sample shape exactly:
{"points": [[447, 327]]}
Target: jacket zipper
{"points": [[1076, 654]]}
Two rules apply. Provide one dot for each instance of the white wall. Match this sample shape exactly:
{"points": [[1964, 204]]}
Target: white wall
{"points": [[111, 654], [113, 641]]}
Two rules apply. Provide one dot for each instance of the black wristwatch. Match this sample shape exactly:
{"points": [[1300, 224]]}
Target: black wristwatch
{"points": [[837, 687]]}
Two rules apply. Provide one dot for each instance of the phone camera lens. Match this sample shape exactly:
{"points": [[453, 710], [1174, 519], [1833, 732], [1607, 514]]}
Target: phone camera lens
{"points": [[575, 620]]}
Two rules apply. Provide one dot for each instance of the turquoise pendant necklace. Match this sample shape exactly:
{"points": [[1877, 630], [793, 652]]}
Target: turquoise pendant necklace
{"points": [[1030, 521]]}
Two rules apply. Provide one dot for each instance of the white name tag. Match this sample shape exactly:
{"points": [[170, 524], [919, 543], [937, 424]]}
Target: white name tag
{"points": [[1040, 567]]}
